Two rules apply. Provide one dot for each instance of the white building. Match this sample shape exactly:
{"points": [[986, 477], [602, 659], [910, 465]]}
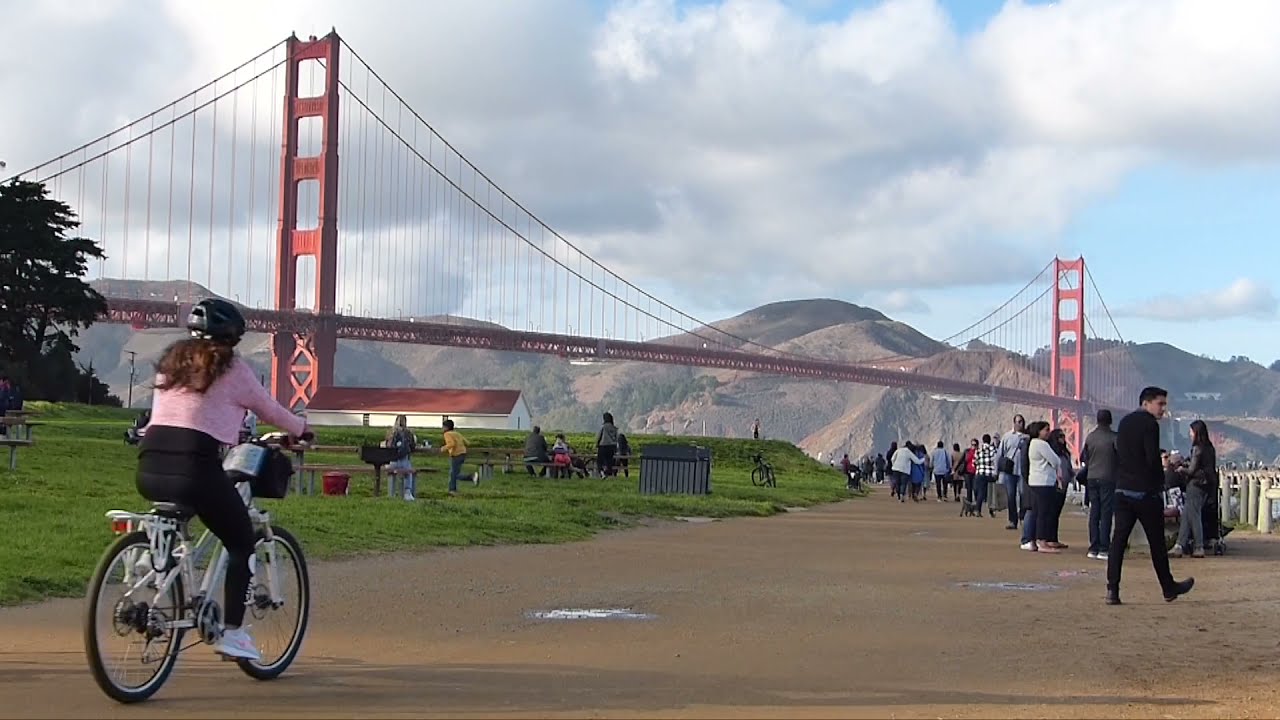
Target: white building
{"points": [[424, 408]]}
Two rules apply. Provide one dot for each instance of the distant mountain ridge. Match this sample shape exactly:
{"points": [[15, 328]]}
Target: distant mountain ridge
{"points": [[820, 416]]}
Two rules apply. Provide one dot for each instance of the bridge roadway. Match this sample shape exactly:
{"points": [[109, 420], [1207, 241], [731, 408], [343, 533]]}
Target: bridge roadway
{"points": [[160, 314], [847, 610]]}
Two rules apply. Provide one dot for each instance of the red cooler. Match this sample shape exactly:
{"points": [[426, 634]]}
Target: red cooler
{"points": [[336, 483]]}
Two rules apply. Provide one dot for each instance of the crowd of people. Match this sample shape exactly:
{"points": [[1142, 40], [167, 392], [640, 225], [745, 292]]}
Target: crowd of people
{"points": [[1028, 472]]}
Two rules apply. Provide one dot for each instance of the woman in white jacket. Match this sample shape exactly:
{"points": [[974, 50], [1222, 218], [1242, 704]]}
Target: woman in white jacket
{"points": [[1042, 478], [901, 462]]}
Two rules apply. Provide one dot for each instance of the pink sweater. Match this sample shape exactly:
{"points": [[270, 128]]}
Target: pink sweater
{"points": [[219, 412]]}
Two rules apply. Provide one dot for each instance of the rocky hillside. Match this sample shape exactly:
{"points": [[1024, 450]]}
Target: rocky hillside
{"points": [[821, 416]]}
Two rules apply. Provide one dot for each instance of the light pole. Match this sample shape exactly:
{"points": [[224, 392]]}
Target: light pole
{"points": [[132, 357]]}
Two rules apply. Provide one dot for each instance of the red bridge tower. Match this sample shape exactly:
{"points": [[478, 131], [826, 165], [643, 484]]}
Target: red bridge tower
{"points": [[301, 362], [1068, 362]]}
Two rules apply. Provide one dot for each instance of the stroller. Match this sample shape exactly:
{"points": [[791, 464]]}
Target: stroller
{"points": [[1215, 532], [854, 477]]}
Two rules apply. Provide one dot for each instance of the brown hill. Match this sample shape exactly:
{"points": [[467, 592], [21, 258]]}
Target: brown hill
{"points": [[821, 416]]}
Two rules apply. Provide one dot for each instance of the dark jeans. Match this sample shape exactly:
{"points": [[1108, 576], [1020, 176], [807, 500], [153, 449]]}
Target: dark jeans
{"points": [[1046, 512], [1011, 484], [1150, 512], [900, 482], [541, 469], [940, 485], [981, 484], [455, 470], [1102, 510]]}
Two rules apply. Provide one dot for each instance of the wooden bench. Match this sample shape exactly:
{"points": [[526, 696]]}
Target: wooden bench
{"points": [[18, 423], [18, 434], [588, 460]]}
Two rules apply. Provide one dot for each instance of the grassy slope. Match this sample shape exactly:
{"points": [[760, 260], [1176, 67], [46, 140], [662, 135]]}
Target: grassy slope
{"points": [[52, 507]]}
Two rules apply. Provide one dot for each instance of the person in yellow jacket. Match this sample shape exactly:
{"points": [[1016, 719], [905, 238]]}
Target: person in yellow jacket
{"points": [[455, 446]]}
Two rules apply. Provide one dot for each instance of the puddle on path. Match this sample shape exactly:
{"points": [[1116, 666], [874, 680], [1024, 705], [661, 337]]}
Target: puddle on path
{"points": [[695, 519], [589, 614], [1009, 586], [1068, 573]]}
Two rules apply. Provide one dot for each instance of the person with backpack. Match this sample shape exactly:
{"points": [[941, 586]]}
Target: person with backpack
{"points": [[402, 440]]}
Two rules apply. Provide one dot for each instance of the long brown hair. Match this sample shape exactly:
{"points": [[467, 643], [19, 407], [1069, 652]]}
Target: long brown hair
{"points": [[193, 364]]}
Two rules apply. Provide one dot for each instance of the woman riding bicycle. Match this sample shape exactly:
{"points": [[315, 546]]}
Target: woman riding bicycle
{"points": [[202, 390]]}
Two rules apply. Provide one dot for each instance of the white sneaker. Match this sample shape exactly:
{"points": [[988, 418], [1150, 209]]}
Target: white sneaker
{"points": [[408, 496], [237, 644], [1031, 546], [1102, 556], [1092, 555]]}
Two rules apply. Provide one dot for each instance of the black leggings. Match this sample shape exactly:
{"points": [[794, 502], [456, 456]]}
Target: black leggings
{"points": [[604, 459], [183, 466]]}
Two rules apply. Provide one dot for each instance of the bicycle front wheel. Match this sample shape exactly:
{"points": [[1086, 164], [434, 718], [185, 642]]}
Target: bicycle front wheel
{"points": [[281, 604], [124, 610], [758, 477]]}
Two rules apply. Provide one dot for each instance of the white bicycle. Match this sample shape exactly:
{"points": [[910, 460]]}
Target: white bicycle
{"points": [[157, 596]]}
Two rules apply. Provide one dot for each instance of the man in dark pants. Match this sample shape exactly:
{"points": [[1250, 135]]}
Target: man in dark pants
{"points": [[1139, 494], [1099, 460]]}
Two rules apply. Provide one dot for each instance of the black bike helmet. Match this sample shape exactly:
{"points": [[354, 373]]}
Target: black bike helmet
{"points": [[216, 319]]}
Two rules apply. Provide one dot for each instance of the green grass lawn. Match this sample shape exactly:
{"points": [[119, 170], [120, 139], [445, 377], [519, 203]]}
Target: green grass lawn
{"points": [[53, 506]]}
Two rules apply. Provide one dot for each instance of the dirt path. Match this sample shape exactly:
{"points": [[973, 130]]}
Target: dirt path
{"points": [[850, 610]]}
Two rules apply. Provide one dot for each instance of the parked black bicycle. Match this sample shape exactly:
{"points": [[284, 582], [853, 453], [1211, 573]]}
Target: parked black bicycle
{"points": [[762, 475]]}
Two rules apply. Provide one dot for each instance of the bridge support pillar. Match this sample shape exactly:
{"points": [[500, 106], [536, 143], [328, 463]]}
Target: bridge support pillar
{"points": [[1067, 348], [302, 361]]}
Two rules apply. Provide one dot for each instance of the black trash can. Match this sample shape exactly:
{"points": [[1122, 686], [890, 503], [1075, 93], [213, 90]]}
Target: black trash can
{"points": [[675, 469]]}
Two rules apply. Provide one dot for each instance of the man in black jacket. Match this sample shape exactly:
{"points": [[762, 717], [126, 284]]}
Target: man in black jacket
{"points": [[1140, 493], [1099, 460]]}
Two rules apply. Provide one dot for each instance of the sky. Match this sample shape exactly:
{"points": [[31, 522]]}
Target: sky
{"points": [[925, 157]]}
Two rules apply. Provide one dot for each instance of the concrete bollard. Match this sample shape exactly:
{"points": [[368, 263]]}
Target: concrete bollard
{"points": [[1248, 501], [1268, 496]]}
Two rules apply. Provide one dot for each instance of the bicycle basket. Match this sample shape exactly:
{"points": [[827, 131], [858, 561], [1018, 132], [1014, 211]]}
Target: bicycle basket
{"points": [[266, 469]]}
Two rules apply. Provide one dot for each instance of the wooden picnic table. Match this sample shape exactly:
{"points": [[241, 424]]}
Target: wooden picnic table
{"points": [[18, 435], [513, 456]]}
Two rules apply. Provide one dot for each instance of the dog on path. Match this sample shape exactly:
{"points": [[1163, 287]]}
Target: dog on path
{"points": [[968, 509]]}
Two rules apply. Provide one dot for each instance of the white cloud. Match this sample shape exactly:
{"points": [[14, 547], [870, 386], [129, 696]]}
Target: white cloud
{"points": [[898, 302], [1243, 298], [740, 141]]}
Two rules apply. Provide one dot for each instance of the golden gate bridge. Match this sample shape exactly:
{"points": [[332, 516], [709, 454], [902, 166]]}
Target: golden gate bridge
{"points": [[302, 186]]}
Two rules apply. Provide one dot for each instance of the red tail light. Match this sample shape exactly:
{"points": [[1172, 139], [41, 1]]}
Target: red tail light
{"points": [[120, 526]]}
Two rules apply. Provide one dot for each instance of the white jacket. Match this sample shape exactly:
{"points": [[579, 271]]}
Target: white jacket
{"points": [[902, 460], [1044, 464]]}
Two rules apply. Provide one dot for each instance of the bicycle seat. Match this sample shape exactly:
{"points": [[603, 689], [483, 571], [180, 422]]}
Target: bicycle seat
{"points": [[176, 511]]}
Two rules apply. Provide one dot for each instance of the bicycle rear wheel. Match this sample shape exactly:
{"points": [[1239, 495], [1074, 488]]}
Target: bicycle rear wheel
{"points": [[758, 477], [138, 617], [289, 618]]}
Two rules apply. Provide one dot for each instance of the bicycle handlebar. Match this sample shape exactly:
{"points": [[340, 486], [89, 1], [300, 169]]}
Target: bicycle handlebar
{"points": [[284, 440]]}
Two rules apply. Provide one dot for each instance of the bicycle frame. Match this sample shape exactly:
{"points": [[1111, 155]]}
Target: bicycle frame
{"points": [[161, 532]]}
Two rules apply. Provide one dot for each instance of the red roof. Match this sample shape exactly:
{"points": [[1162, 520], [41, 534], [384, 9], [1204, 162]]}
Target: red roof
{"points": [[415, 400]]}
